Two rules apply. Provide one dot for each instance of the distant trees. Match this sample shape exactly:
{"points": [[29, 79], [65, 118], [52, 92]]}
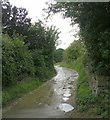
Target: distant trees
{"points": [[28, 49], [58, 55], [73, 52]]}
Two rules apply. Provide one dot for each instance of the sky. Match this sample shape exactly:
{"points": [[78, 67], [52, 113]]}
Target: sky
{"points": [[34, 8]]}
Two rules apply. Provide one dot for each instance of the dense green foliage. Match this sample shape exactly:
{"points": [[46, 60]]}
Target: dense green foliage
{"points": [[28, 51], [58, 55], [30, 54], [41, 42], [17, 61], [93, 20], [73, 51]]}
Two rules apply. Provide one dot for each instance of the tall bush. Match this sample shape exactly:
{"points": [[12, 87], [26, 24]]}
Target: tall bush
{"points": [[17, 60]]}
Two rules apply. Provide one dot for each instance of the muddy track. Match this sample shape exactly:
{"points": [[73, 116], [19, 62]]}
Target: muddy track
{"points": [[54, 99]]}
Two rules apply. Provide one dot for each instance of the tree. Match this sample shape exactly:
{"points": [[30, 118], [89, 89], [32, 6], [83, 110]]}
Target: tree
{"points": [[44, 39], [36, 36], [93, 19], [14, 19], [74, 51], [30, 47], [51, 38], [58, 55]]}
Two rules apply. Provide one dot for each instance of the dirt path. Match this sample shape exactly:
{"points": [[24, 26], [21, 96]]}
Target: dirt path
{"points": [[54, 99]]}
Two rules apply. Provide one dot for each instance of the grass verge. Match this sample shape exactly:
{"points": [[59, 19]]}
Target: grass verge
{"points": [[28, 84], [84, 95], [18, 90], [86, 101]]}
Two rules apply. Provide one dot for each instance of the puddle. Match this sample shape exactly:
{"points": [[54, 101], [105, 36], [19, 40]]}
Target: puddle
{"points": [[67, 95], [66, 107], [65, 98]]}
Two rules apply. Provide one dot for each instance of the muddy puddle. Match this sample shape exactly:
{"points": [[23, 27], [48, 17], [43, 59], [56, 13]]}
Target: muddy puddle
{"points": [[66, 107], [52, 100]]}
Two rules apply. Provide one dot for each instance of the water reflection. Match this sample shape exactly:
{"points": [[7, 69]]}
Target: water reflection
{"points": [[65, 98], [63, 87], [66, 107]]}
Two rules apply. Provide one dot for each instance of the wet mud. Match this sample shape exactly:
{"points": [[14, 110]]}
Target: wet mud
{"points": [[54, 99]]}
